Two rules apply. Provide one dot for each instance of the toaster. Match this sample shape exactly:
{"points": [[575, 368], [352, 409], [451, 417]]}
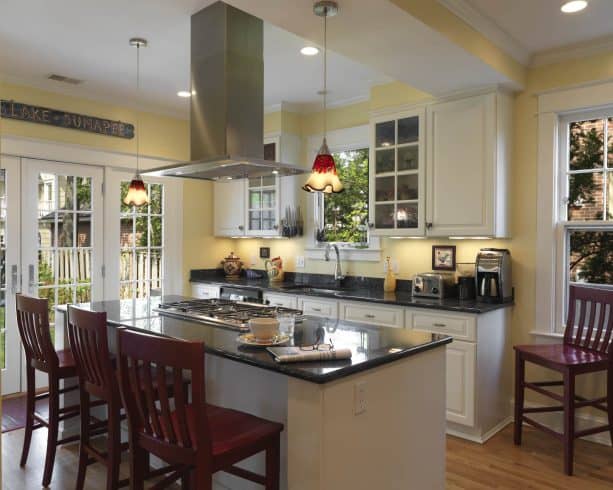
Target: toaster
{"points": [[434, 285]]}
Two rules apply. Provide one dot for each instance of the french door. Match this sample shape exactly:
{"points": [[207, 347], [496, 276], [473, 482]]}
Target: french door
{"points": [[60, 240], [10, 240]]}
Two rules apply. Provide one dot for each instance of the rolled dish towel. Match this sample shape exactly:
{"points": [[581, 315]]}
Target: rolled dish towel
{"points": [[295, 354]]}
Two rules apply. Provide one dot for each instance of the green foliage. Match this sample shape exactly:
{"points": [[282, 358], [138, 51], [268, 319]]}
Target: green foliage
{"points": [[591, 258], [346, 214], [586, 152]]}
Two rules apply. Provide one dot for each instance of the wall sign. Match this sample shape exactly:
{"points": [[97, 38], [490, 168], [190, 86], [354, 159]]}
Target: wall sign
{"points": [[69, 120]]}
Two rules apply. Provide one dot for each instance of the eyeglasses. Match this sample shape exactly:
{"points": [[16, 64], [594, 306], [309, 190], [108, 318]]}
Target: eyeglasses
{"points": [[318, 346]]}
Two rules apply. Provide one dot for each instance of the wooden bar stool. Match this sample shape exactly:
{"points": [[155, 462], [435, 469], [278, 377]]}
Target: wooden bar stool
{"points": [[586, 349], [40, 353], [200, 438], [88, 337]]}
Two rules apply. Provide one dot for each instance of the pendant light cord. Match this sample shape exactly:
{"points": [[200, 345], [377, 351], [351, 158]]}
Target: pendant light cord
{"points": [[137, 111], [325, 69]]}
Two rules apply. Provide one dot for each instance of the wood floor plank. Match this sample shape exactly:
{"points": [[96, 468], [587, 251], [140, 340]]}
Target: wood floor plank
{"points": [[496, 465]]}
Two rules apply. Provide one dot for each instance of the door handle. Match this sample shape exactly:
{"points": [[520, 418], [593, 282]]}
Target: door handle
{"points": [[13, 278]]}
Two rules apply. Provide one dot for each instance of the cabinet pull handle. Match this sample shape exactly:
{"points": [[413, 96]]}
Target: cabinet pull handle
{"points": [[439, 325], [317, 309], [368, 315], [429, 225], [241, 227], [278, 304]]}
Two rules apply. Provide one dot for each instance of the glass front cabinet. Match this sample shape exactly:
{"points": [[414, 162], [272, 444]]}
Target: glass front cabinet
{"points": [[397, 173], [262, 198]]}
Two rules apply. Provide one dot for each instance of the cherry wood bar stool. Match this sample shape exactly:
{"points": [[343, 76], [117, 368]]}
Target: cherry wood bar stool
{"points": [[586, 349], [88, 337], [201, 438], [40, 354]]}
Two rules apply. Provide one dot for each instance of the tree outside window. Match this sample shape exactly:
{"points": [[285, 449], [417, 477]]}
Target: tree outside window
{"points": [[345, 215]]}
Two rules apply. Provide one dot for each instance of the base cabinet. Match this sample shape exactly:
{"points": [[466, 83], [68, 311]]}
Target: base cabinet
{"points": [[478, 369], [461, 362]]}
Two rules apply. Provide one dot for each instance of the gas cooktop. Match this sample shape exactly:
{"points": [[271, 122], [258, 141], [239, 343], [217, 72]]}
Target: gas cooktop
{"points": [[223, 312]]}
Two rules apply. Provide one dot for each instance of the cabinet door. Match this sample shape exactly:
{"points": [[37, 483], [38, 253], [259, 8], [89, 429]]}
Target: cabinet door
{"points": [[461, 362], [396, 183], [262, 194], [229, 208], [461, 167]]}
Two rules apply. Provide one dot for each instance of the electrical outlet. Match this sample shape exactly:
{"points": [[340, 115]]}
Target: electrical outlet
{"points": [[300, 261], [395, 266], [359, 398]]}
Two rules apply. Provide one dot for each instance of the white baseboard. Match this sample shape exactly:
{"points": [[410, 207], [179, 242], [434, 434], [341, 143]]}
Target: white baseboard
{"points": [[480, 439]]}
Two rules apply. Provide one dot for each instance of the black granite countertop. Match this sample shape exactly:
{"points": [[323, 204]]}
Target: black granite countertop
{"points": [[371, 346], [355, 289]]}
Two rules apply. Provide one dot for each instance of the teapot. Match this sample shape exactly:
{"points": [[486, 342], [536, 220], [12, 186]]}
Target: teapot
{"points": [[274, 269], [232, 265]]}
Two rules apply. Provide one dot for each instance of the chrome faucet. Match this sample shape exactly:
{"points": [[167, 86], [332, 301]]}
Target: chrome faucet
{"points": [[338, 273]]}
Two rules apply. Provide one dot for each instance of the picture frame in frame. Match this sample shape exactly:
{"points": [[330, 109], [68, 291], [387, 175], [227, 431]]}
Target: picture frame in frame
{"points": [[443, 257]]}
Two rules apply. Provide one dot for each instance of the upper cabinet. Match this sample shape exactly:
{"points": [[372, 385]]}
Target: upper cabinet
{"points": [[397, 172], [467, 161], [441, 171], [252, 207]]}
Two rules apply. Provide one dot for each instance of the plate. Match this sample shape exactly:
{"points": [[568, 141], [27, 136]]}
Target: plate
{"points": [[249, 339]]}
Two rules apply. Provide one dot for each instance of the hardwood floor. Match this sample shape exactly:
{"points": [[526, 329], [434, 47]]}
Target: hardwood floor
{"points": [[498, 464]]}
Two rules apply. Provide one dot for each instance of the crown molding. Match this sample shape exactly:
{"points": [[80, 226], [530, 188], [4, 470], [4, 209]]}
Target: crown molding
{"points": [[573, 51], [313, 107], [490, 29]]}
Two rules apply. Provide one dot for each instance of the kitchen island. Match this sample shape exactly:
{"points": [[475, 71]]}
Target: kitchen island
{"points": [[374, 421]]}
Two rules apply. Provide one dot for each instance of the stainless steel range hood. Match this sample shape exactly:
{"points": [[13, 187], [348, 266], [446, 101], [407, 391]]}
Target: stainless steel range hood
{"points": [[227, 103]]}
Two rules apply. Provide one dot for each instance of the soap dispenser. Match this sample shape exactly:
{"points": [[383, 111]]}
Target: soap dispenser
{"points": [[389, 284]]}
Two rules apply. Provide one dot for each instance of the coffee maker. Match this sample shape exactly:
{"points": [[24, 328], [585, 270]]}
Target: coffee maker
{"points": [[493, 275]]}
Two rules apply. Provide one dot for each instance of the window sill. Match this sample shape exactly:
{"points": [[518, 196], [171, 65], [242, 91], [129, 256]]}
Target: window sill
{"points": [[545, 334], [371, 254]]}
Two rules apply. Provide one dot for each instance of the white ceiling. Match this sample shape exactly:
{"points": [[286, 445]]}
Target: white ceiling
{"points": [[89, 41], [539, 25], [375, 42]]}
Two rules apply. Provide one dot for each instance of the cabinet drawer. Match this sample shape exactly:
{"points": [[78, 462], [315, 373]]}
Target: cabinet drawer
{"points": [[319, 307], [463, 327], [283, 300], [205, 291], [386, 316]]}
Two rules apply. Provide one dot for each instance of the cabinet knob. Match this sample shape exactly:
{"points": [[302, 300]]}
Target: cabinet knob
{"points": [[241, 227], [429, 225], [371, 225], [276, 227]]}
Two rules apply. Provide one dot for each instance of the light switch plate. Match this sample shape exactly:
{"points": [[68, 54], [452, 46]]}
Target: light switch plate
{"points": [[300, 261]]}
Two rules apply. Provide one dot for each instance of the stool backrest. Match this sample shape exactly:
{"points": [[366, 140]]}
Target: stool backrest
{"points": [[164, 428], [33, 324], [87, 335], [590, 318]]}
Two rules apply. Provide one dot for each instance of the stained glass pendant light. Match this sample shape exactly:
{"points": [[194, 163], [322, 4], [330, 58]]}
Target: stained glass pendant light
{"points": [[323, 177], [137, 192]]}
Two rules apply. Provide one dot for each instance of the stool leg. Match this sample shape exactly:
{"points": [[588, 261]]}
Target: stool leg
{"points": [[569, 421], [273, 465], [54, 408], [138, 462], [84, 439], [201, 479], [520, 373], [114, 448], [610, 401], [30, 401]]}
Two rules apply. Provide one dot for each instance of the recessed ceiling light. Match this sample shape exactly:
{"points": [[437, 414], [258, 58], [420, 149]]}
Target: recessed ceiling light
{"points": [[309, 51], [573, 6], [184, 93]]}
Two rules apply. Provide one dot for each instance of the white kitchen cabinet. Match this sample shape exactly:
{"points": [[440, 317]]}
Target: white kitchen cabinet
{"points": [[205, 291], [325, 308], [229, 202], [282, 300], [461, 361], [468, 146], [254, 207], [478, 368], [396, 174], [380, 315]]}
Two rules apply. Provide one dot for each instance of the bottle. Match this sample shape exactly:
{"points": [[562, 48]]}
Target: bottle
{"points": [[389, 284]]}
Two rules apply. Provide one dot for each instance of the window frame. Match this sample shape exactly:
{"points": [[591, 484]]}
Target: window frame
{"points": [[347, 139]]}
